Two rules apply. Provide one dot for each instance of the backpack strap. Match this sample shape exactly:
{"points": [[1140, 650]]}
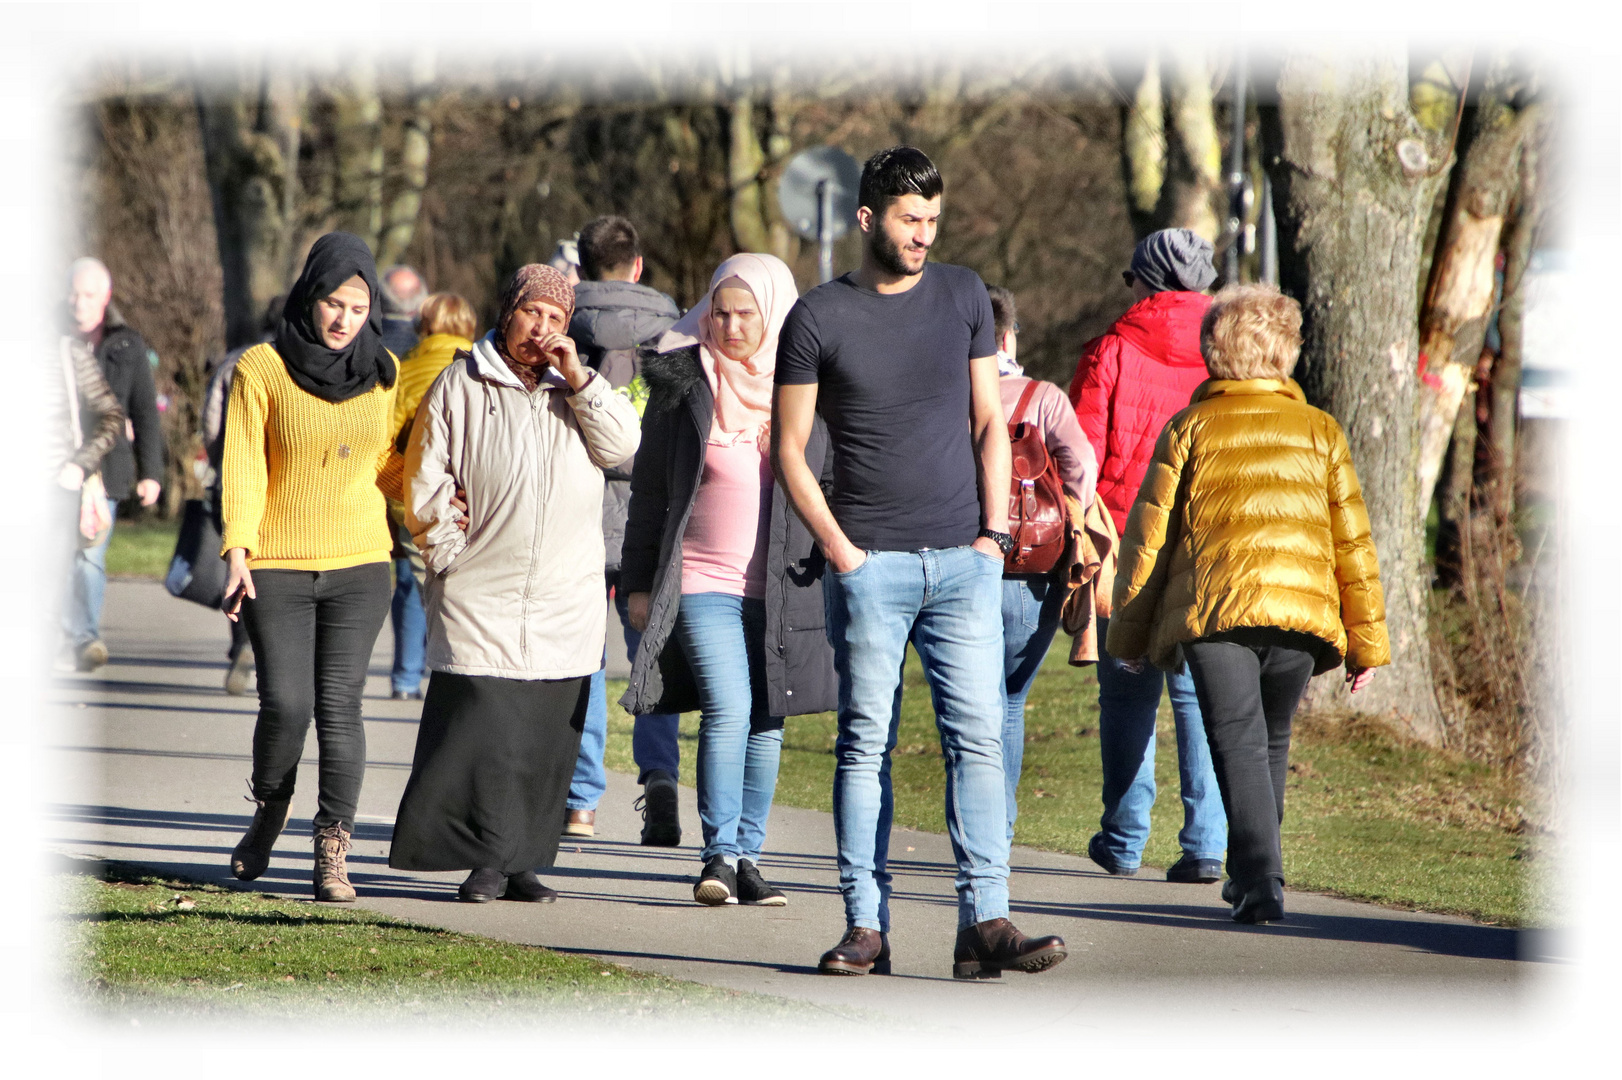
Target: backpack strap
{"points": [[1024, 400]]}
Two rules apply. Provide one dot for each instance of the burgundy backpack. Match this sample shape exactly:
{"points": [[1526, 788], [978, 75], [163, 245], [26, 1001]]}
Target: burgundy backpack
{"points": [[1036, 509]]}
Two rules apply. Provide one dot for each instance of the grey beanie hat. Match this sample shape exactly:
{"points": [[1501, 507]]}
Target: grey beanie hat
{"points": [[1174, 260]]}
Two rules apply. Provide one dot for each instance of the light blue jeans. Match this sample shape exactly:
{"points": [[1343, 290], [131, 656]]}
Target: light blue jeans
{"points": [[1030, 616], [410, 623], [590, 778], [948, 604], [1127, 705], [87, 588], [724, 639]]}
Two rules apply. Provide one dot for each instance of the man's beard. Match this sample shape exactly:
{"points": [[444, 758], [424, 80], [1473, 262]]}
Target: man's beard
{"points": [[887, 253]]}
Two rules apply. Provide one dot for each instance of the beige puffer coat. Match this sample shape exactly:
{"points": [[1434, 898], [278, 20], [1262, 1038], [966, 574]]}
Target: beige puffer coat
{"points": [[520, 594]]}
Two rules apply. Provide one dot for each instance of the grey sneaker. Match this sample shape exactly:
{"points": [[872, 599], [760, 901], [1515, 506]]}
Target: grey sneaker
{"points": [[754, 889], [236, 679]]}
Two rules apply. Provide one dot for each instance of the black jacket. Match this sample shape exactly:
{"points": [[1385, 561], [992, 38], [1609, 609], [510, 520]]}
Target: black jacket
{"points": [[122, 355], [611, 321], [800, 675]]}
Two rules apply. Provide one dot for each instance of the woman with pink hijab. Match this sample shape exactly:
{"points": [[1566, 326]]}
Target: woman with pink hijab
{"points": [[720, 575]]}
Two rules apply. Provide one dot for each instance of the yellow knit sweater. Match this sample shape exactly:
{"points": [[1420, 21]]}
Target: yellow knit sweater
{"points": [[418, 370], [303, 478]]}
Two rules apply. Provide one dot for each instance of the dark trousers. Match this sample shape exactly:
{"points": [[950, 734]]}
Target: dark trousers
{"points": [[1249, 684], [312, 633]]}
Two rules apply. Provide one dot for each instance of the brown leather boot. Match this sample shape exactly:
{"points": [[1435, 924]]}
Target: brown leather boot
{"points": [[985, 950], [860, 951], [252, 854], [331, 869]]}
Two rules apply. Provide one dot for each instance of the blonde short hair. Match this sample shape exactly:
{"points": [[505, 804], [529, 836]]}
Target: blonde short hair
{"points": [[447, 313], [1251, 332]]}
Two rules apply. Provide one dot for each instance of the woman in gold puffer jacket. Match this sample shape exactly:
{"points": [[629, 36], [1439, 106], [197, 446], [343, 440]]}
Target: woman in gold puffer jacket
{"points": [[1247, 555]]}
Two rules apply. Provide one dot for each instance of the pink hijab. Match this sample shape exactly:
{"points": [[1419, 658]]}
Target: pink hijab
{"points": [[743, 390]]}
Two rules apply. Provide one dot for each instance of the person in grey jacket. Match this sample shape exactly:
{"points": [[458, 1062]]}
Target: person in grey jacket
{"points": [[82, 419], [719, 573], [515, 591], [614, 316]]}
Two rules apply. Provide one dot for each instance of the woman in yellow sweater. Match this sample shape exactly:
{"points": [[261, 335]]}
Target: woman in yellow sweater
{"points": [[307, 439]]}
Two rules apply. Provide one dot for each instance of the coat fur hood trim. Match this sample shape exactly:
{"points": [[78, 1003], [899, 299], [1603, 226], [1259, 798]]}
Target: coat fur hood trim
{"points": [[671, 375]]}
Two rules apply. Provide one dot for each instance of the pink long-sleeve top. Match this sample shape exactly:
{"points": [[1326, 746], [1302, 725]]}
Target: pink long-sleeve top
{"points": [[724, 546], [1050, 411]]}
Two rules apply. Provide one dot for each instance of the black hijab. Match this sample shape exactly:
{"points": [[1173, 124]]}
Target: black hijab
{"points": [[334, 374]]}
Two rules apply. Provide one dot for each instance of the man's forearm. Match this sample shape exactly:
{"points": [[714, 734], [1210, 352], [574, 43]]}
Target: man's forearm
{"points": [[805, 496], [995, 466]]}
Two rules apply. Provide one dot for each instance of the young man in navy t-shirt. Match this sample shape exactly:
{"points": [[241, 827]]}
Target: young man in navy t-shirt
{"points": [[900, 360]]}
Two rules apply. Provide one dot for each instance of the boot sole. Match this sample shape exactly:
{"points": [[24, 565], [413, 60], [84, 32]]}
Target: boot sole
{"points": [[770, 901], [350, 899], [243, 873], [661, 838], [579, 830], [841, 967], [1261, 913], [529, 899], [1030, 965]]}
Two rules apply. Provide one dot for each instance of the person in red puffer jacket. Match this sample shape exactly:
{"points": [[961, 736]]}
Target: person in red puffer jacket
{"points": [[1128, 383]]}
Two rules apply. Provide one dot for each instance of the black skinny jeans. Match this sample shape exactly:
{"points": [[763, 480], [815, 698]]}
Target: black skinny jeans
{"points": [[312, 633], [1249, 683]]}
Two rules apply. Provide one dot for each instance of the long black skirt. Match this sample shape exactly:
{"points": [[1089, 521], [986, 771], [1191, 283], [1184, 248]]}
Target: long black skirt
{"points": [[491, 774]]}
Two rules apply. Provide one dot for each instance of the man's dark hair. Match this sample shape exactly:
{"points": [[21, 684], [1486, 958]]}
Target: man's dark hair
{"points": [[1003, 313], [900, 170], [606, 244]]}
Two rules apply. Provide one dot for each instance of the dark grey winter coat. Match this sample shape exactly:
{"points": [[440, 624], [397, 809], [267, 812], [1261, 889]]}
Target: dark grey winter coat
{"points": [[670, 463], [612, 320], [123, 357]]}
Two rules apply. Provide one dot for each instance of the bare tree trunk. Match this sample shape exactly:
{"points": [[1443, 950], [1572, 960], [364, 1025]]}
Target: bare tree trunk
{"points": [[1352, 186], [1458, 300], [1143, 150], [358, 139], [1496, 482], [1192, 195], [745, 156], [400, 219], [250, 144]]}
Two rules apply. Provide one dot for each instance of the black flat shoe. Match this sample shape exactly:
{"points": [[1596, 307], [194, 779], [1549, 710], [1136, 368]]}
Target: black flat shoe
{"points": [[1263, 902], [528, 888], [1096, 852], [1191, 871], [718, 884], [482, 886], [756, 890]]}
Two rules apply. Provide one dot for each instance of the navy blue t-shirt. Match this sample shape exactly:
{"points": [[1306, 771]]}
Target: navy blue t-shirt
{"points": [[892, 375]]}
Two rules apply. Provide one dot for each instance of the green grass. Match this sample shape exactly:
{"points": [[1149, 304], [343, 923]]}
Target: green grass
{"points": [[1366, 817], [142, 548], [137, 943]]}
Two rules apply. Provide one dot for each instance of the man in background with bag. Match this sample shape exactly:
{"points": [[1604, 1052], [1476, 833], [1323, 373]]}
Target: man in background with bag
{"points": [[135, 461], [1052, 459]]}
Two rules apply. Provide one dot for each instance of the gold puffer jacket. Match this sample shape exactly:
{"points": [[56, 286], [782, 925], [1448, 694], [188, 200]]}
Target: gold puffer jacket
{"points": [[1249, 515]]}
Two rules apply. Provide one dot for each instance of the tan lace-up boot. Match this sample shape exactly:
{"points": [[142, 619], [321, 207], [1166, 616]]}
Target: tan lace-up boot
{"points": [[331, 869], [252, 854]]}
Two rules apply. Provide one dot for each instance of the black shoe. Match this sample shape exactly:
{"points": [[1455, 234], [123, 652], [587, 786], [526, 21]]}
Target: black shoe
{"points": [[1230, 891], [661, 823], [1096, 852], [718, 884], [405, 695], [860, 951], [985, 950], [528, 888], [482, 886], [1191, 871], [1263, 902], [753, 889]]}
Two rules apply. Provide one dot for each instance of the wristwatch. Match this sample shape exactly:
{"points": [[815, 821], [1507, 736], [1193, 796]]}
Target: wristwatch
{"points": [[1004, 542]]}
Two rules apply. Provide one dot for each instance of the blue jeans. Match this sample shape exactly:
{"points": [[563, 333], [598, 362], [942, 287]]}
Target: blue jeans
{"points": [[410, 624], [1127, 705], [948, 604], [87, 588], [1030, 616], [724, 639], [653, 737]]}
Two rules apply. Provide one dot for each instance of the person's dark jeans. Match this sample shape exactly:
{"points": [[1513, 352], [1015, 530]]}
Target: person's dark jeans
{"points": [[1249, 684], [312, 633]]}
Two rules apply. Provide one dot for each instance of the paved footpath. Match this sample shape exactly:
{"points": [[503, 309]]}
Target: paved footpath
{"points": [[153, 758]]}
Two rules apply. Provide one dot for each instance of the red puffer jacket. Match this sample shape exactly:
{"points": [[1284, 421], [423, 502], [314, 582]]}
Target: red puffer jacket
{"points": [[1128, 383]]}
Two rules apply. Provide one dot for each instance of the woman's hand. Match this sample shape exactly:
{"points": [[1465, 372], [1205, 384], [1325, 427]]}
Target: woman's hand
{"points": [[1134, 667], [636, 610], [71, 478], [560, 352], [238, 582], [459, 503], [1357, 677]]}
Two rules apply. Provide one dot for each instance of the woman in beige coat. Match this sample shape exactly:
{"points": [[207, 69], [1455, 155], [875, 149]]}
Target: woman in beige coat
{"points": [[515, 590]]}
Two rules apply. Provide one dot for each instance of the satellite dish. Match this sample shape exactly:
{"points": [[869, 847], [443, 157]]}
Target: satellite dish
{"points": [[818, 197]]}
